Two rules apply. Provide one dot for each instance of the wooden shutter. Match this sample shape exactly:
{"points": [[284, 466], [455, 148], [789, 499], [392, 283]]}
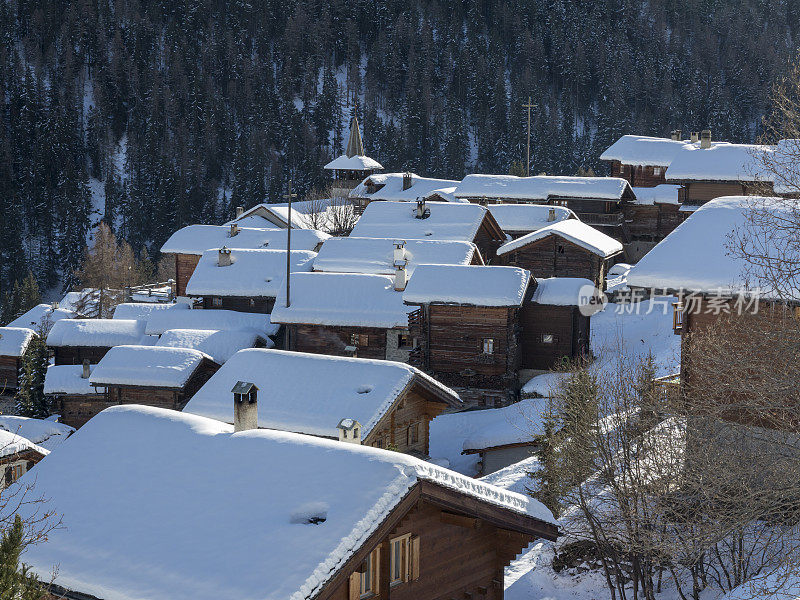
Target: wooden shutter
{"points": [[355, 586], [9, 480], [413, 557]]}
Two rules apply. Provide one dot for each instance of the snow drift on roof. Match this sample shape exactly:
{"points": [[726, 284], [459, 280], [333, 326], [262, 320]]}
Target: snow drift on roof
{"points": [[721, 162], [141, 311], [11, 443], [516, 218], [195, 239], [215, 319], [665, 193], [219, 345], [480, 286], [14, 340], [376, 255], [344, 299], [696, 255], [643, 150], [541, 187], [564, 291], [353, 163], [150, 366], [66, 379], [447, 221], [309, 393], [518, 423], [41, 315], [393, 187], [574, 231], [251, 274], [99, 333], [219, 541], [46, 433]]}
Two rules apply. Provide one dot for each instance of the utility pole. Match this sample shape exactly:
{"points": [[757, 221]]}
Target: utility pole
{"points": [[529, 106], [289, 197]]}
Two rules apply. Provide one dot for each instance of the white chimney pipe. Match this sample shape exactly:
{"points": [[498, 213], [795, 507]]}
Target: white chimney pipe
{"points": [[239, 211], [224, 259], [551, 214], [86, 370]]}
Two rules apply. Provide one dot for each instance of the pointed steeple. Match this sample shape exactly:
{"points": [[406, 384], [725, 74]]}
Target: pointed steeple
{"points": [[354, 145]]}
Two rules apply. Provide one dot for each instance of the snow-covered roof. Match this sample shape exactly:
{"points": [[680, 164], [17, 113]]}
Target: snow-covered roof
{"points": [[397, 220], [14, 340], [343, 299], [518, 423], [195, 239], [572, 230], [447, 194], [696, 256], [147, 366], [219, 345], [311, 393], [564, 291], [215, 319], [516, 218], [664, 193], [40, 315], [47, 433], [244, 536], [476, 285], [376, 255], [541, 187], [392, 187], [353, 163], [643, 150], [12, 443], [251, 274], [99, 333], [721, 162], [141, 311], [66, 379]]}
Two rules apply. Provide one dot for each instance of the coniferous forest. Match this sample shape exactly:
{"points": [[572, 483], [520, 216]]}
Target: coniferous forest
{"points": [[151, 115]]}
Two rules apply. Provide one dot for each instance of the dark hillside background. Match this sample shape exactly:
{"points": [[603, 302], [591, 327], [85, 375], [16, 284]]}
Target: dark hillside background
{"points": [[155, 114]]}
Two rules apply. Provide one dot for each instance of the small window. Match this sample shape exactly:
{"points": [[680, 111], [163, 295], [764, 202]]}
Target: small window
{"points": [[379, 442], [252, 302], [656, 170], [404, 340], [355, 433], [359, 340], [548, 338], [412, 434], [404, 559], [216, 302], [488, 346], [369, 575], [560, 249]]}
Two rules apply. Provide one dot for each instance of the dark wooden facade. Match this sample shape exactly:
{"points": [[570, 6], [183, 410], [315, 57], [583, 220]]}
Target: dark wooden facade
{"points": [[240, 303], [651, 222], [639, 176], [450, 346], [370, 342], [185, 264], [75, 355], [489, 238], [554, 256], [16, 465], [458, 548], [552, 333], [77, 409], [9, 373], [172, 398]]}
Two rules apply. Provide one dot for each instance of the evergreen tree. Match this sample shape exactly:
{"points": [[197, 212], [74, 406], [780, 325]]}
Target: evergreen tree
{"points": [[30, 398], [16, 580]]}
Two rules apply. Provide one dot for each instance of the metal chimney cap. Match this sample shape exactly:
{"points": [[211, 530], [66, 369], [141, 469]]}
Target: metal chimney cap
{"points": [[244, 387]]}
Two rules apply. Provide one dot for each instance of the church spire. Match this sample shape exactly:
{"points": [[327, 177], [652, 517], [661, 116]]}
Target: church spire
{"points": [[354, 145]]}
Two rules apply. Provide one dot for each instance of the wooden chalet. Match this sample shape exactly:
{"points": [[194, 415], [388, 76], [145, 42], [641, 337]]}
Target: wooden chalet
{"points": [[14, 342], [556, 322], [710, 170], [655, 213], [71, 394], [243, 280], [389, 404], [400, 187], [350, 169], [150, 375], [346, 314], [18, 455], [187, 245], [292, 492], [643, 160], [467, 328], [597, 201], [73, 341], [432, 221], [568, 248], [517, 220]]}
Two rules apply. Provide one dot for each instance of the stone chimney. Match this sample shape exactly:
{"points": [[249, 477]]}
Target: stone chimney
{"points": [[239, 211], [705, 139], [674, 135], [224, 257], [408, 180], [694, 137], [420, 208], [551, 215], [349, 431], [678, 135], [234, 230], [245, 406], [86, 370]]}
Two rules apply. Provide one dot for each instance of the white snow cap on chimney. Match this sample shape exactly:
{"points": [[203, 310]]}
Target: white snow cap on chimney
{"points": [[349, 431]]}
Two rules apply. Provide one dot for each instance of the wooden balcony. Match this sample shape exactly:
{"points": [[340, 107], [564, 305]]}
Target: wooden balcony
{"points": [[606, 219]]}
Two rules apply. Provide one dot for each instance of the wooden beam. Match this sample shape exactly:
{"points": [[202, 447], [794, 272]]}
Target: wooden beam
{"points": [[459, 520]]}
